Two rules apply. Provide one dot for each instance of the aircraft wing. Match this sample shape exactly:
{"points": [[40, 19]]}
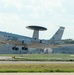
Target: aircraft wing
{"points": [[62, 45], [18, 43], [2, 43], [34, 44]]}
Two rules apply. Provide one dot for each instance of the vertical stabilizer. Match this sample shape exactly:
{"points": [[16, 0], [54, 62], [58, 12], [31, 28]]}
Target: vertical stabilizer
{"points": [[58, 35]]}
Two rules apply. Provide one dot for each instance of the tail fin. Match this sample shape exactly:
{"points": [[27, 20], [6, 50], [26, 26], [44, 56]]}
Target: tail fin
{"points": [[58, 35]]}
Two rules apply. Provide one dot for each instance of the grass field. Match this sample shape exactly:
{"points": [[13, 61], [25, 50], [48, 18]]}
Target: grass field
{"points": [[37, 68], [41, 57]]}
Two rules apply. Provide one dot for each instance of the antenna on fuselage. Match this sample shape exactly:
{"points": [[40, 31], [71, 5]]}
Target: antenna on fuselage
{"points": [[36, 31]]}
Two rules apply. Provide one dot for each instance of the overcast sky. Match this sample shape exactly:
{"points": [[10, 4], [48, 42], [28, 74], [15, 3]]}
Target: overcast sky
{"points": [[15, 15]]}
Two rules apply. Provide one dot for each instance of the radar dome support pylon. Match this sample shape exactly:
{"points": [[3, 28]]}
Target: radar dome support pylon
{"points": [[36, 31]]}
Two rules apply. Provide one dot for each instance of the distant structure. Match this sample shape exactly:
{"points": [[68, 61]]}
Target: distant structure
{"points": [[65, 49]]}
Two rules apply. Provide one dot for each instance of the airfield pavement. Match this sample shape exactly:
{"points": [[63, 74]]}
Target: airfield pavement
{"points": [[31, 62], [36, 73], [34, 62]]}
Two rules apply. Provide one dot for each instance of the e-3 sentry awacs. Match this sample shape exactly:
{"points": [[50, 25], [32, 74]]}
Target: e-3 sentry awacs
{"points": [[32, 42]]}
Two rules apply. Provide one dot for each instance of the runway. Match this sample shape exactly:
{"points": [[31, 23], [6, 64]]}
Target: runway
{"points": [[7, 60], [36, 73], [33, 62]]}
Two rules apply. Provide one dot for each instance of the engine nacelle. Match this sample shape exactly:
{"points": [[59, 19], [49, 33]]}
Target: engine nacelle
{"points": [[15, 48], [24, 48]]}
